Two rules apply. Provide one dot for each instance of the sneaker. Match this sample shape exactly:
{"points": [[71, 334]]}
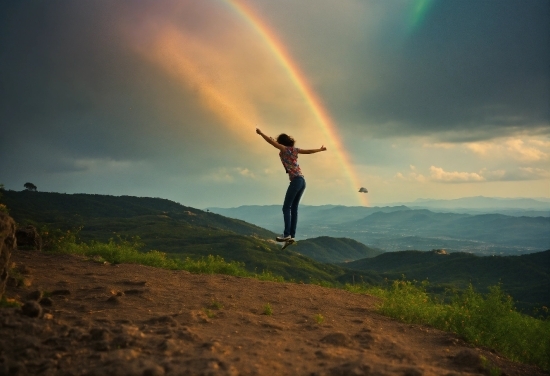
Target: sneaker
{"points": [[283, 239], [288, 242]]}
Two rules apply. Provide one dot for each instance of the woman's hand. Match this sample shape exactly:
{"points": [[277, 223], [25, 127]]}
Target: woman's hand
{"points": [[258, 131], [323, 148]]}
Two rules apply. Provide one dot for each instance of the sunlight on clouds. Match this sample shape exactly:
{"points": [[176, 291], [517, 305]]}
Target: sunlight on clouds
{"points": [[526, 150], [438, 174], [229, 175], [245, 172], [525, 153], [103, 164], [411, 176]]}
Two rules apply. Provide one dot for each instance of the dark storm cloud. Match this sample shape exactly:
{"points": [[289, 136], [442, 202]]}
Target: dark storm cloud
{"points": [[468, 70], [472, 70], [74, 90]]}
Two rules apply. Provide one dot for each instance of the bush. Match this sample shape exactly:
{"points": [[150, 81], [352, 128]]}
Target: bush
{"points": [[486, 320]]}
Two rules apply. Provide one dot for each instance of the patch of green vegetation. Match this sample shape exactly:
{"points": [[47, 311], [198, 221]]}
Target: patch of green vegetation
{"points": [[334, 250], [268, 311], [489, 320], [487, 365], [8, 303], [209, 313], [216, 305], [319, 319], [525, 277], [17, 276]]}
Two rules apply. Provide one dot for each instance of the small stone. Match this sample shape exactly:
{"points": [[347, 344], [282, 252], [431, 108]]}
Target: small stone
{"points": [[153, 370], [31, 309], [46, 302], [35, 295], [114, 300]]}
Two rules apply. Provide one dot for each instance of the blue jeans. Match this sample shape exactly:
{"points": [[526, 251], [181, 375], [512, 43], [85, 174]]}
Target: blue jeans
{"points": [[293, 195]]}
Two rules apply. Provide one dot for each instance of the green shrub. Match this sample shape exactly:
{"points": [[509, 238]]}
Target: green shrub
{"points": [[486, 320], [268, 310]]}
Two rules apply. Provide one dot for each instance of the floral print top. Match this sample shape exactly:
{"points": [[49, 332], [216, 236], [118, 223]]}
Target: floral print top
{"points": [[289, 158]]}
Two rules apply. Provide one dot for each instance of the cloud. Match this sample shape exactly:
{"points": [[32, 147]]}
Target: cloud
{"points": [[455, 78], [438, 174], [521, 149]]}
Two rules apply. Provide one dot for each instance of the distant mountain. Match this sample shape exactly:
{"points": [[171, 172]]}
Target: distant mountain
{"points": [[481, 202], [496, 229], [334, 250], [401, 228], [271, 216], [525, 277]]}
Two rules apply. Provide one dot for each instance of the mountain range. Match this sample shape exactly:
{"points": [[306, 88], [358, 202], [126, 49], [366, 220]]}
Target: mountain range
{"points": [[399, 228]]}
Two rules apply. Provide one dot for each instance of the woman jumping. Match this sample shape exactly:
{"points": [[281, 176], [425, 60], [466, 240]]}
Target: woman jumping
{"points": [[289, 157]]}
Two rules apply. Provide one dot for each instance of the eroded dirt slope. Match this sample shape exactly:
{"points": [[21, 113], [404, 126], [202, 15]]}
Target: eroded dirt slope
{"points": [[137, 320]]}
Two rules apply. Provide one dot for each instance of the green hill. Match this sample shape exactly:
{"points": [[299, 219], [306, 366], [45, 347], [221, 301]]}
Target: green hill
{"points": [[335, 250], [169, 227], [525, 277]]}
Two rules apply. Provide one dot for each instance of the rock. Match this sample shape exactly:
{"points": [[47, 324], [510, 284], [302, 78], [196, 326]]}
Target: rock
{"points": [[28, 239], [46, 302], [35, 295], [7, 245], [31, 309], [114, 300]]}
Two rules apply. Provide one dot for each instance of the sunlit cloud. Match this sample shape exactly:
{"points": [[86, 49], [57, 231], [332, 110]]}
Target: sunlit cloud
{"points": [[438, 174], [525, 153], [526, 150]]}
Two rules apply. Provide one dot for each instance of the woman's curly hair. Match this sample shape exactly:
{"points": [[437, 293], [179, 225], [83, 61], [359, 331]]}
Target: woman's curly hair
{"points": [[285, 140]]}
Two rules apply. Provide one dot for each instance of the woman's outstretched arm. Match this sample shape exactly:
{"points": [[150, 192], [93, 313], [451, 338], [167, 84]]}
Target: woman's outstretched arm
{"points": [[311, 151], [270, 140]]}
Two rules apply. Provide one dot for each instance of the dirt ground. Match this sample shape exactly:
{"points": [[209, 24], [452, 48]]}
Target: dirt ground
{"points": [[100, 319]]}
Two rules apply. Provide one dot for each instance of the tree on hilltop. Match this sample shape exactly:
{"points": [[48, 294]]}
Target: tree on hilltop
{"points": [[30, 187]]}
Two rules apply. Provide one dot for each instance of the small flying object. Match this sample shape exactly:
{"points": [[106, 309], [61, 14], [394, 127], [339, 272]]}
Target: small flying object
{"points": [[363, 190]]}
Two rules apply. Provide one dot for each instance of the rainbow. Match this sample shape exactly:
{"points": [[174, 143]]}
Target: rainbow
{"points": [[419, 10], [314, 103]]}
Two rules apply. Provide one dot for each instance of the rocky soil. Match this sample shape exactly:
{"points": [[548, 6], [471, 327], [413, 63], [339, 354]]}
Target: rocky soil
{"points": [[82, 317]]}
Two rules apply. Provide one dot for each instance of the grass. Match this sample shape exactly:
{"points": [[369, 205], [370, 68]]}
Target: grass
{"points": [[209, 313], [319, 319], [9, 303], [489, 320], [268, 311], [128, 251], [216, 305]]}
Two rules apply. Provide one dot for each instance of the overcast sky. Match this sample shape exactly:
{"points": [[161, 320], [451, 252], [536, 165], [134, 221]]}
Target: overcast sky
{"points": [[430, 99]]}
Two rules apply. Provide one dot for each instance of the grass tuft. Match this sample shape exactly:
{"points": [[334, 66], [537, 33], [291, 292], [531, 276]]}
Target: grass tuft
{"points": [[9, 303], [268, 311], [319, 318]]}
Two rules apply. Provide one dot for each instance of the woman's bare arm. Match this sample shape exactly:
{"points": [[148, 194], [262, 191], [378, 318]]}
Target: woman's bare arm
{"points": [[311, 151], [270, 140]]}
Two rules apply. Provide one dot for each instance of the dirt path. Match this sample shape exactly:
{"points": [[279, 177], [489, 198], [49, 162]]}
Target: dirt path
{"points": [[137, 320]]}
